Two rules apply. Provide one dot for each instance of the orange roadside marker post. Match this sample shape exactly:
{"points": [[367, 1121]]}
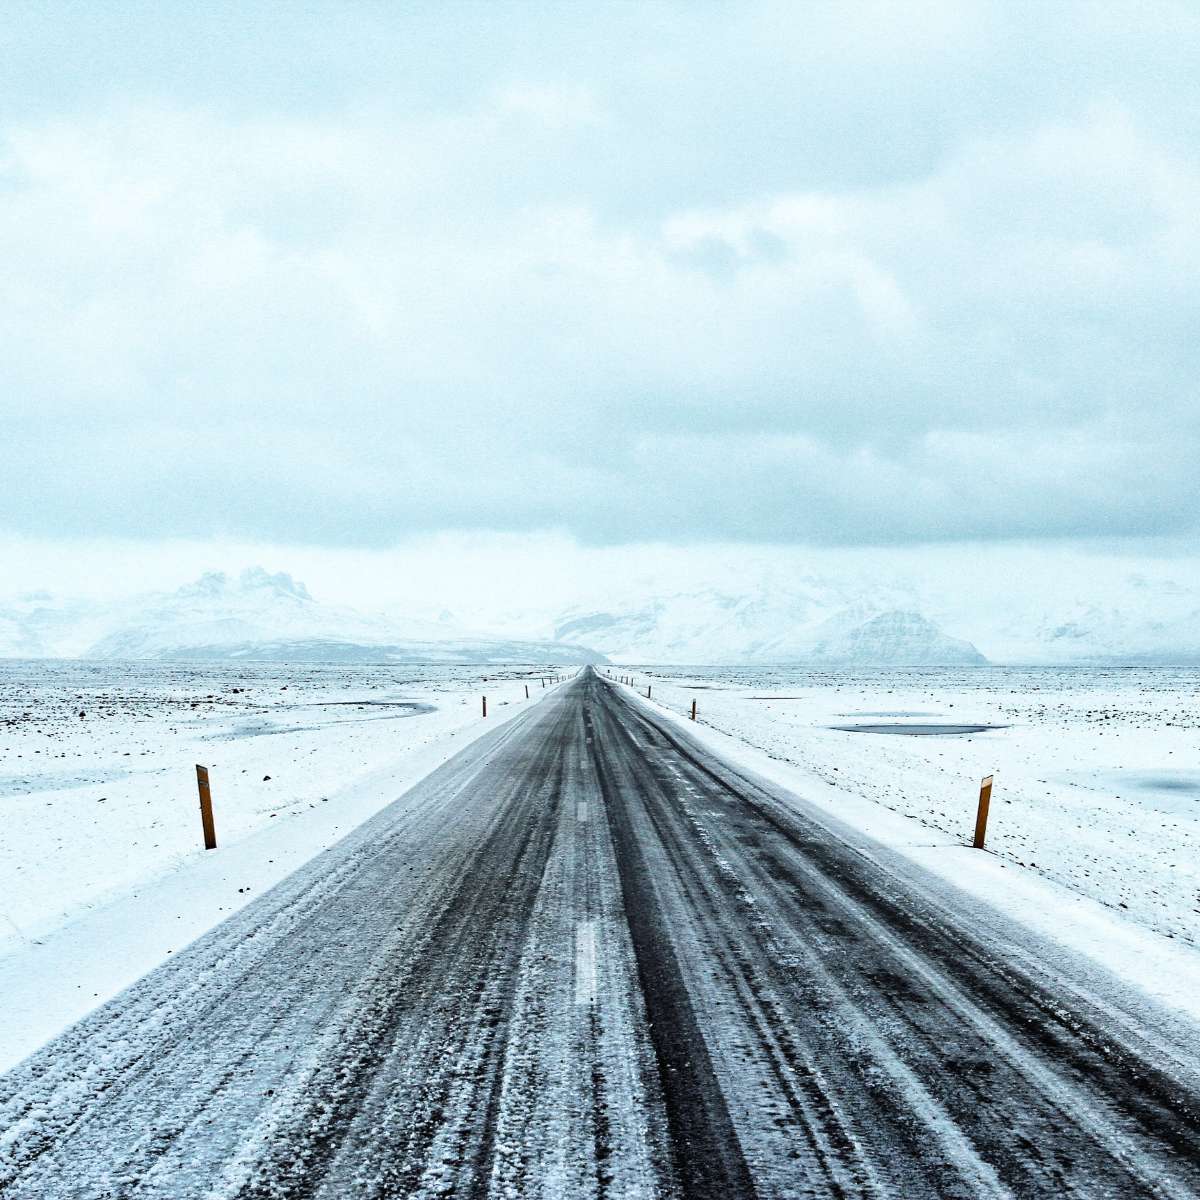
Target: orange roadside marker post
{"points": [[981, 817], [206, 811]]}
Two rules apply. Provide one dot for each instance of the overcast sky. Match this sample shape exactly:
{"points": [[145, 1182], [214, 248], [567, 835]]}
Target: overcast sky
{"points": [[834, 275]]}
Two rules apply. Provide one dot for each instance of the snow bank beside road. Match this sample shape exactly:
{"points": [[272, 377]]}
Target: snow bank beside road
{"points": [[100, 847]]}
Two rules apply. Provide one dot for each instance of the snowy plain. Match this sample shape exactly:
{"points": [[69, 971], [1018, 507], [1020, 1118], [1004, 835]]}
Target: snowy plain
{"points": [[103, 870]]}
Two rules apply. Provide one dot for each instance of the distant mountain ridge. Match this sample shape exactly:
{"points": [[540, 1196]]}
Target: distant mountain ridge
{"points": [[482, 652], [771, 619], [1137, 622], [897, 639], [809, 625], [257, 615]]}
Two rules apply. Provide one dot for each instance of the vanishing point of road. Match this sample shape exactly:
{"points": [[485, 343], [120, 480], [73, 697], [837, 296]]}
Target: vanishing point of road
{"points": [[588, 958]]}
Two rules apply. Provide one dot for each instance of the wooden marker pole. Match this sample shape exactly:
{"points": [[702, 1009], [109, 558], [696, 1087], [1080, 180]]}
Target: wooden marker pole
{"points": [[485, 706], [527, 691], [693, 710], [206, 813], [647, 691], [985, 799]]}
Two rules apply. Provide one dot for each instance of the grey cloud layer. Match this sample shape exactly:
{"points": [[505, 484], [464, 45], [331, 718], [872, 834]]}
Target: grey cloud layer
{"points": [[772, 274]]}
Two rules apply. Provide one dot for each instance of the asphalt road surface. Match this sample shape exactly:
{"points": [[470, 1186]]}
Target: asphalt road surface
{"points": [[586, 958]]}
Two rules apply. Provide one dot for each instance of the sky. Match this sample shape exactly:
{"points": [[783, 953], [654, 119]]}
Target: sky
{"points": [[694, 284]]}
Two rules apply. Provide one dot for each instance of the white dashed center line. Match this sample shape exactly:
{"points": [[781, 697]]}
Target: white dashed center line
{"points": [[585, 963]]}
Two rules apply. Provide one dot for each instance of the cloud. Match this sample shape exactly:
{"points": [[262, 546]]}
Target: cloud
{"points": [[618, 297]]}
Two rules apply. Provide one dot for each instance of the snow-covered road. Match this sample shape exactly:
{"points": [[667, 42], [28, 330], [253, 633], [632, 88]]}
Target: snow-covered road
{"points": [[584, 958]]}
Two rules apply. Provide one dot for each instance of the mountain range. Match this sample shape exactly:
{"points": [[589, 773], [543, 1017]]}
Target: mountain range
{"points": [[256, 615], [825, 622], [799, 626]]}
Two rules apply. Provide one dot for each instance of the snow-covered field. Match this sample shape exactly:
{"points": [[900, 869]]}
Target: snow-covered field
{"points": [[103, 867], [1097, 771]]}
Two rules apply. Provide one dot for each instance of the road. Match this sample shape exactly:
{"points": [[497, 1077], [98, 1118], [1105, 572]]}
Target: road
{"points": [[586, 958]]}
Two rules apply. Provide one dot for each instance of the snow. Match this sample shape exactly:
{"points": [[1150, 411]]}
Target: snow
{"points": [[1094, 833], [100, 846], [765, 625], [898, 638], [256, 615], [1094, 837], [868, 615], [881, 615]]}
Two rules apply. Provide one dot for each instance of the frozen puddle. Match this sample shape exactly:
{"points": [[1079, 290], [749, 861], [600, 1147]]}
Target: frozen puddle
{"points": [[1163, 789], [61, 781], [918, 730], [263, 726], [1163, 780]]}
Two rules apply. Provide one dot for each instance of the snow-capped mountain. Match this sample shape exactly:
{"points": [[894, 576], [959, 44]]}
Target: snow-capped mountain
{"points": [[40, 625], [1126, 620], [818, 623], [1063, 618], [219, 613], [709, 625], [900, 639], [255, 615]]}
